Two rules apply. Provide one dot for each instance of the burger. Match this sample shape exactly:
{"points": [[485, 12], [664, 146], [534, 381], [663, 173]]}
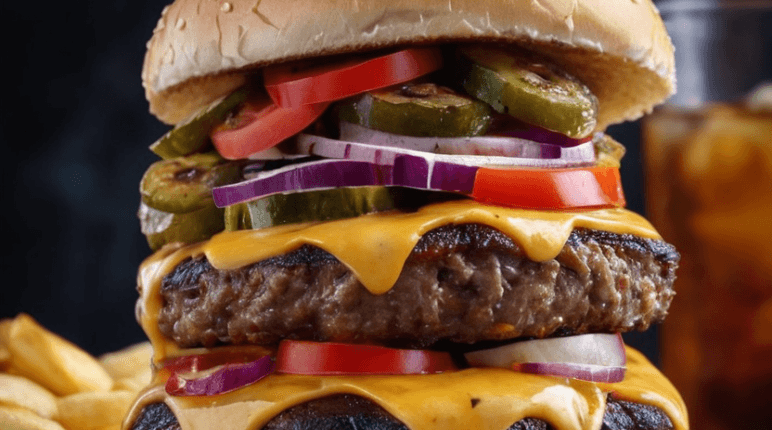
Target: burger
{"points": [[401, 215]]}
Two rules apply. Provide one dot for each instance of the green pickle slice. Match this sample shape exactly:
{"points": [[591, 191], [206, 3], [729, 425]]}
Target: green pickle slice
{"points": [[177, 203], [237, 217], [327, 205], [419, 109], [161, 227], [193, 134], [529, 89], [185, 184]]}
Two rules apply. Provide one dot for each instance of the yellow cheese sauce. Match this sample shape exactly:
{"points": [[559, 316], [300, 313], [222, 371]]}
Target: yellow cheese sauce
{"points": [[431, 402], [374, 247]]}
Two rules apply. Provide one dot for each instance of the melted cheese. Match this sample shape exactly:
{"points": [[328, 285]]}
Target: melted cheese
{"points": [[645, 384], [431, 402], [374, 247]]}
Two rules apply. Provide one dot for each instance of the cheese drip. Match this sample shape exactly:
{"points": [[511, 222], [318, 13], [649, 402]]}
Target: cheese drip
{"points": [[374, 247], [431, 402]]}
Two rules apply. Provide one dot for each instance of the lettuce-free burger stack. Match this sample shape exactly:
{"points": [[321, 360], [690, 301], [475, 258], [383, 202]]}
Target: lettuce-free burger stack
{"points": [[401, 215]]}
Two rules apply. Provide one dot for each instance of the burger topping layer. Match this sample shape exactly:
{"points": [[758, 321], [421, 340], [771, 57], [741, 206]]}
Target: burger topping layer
{"points": [[502, 116], [472, 398]]}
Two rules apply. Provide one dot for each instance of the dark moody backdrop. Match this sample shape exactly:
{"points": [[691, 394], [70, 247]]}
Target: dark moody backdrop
{"points": [[75, 131]]}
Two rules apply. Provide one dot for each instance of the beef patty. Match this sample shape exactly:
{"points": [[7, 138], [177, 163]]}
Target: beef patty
{"points": [[461, 283], [345, 411]]}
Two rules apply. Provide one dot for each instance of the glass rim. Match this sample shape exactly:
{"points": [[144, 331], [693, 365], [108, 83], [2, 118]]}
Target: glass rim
{"points": [[701, 6]]}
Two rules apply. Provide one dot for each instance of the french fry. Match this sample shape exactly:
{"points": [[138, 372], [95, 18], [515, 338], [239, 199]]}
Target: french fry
{"points": [[52, 361], [5, 358], [129, 361], [5, 354], [5, 324], [23, 419], [135, 382], [16, 391], [94, 410]]}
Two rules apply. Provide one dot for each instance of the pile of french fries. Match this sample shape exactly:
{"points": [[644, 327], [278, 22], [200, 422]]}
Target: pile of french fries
{"points": [[48, 383]]}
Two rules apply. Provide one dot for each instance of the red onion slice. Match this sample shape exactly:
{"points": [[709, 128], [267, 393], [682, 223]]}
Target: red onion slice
{"points": [[551, 155], [582, 356], [384, 155], [425, 173], [227, 378], [302, 177], [543, 135], [191, 363], [585, 372], [406, 171]]}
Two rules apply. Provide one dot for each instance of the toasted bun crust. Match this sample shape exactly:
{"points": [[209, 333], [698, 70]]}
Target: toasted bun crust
{"points": [[619, 48]]}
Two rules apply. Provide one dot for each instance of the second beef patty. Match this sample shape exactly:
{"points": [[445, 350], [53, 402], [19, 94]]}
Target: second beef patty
{"points": [[462, 283]]}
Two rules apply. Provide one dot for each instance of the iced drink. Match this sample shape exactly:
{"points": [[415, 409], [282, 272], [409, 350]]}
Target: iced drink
{"points": [[709, 192]]}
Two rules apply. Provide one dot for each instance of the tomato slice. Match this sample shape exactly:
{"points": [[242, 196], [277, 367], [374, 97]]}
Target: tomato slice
{"points": [[289, 85], [259, 125], [329, 358], [592, 187]]}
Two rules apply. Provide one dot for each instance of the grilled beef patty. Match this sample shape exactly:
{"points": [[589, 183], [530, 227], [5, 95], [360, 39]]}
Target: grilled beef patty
{"points": [[345, 411], [461, 283]]}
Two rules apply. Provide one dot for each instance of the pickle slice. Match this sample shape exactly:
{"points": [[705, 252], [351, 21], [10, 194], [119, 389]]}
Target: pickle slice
{"points": [[419, 109], [237, 217], [192, 135], [529, 89], [161, 227], [327, 205], [185, 184]]}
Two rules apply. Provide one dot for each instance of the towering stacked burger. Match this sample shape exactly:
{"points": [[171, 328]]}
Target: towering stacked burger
{"points": [[401, 215]]}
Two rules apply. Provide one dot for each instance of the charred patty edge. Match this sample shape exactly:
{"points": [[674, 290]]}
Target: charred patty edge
{"points": [[449, 238]]}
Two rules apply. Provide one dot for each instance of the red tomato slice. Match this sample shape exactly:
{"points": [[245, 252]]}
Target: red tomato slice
{"points": [[261, 124], [288, 86], [328, 358], [592, 187]]}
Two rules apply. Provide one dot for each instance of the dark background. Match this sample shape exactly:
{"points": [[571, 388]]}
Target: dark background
{"points": [[75, 132]]}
